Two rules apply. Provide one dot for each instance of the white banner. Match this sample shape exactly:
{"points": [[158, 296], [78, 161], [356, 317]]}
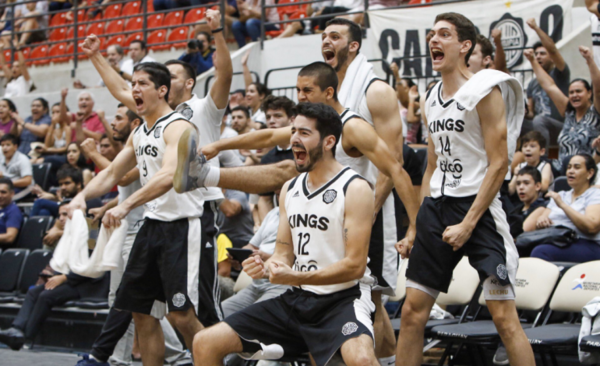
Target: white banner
{"points": [[401, 33]]}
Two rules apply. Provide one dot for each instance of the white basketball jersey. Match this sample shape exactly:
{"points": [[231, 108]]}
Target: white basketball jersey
{"points": [[149, 145], [363, 108], [362, 165], [461, 157], [317, 223], [595, 23]]}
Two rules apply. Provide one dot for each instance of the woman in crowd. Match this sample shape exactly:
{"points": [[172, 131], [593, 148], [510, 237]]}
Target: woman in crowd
{"points": [[58, 136], [582, 119], [76, 159], [7, 122], [578, 209], [255, 94], [34, 127], [18, 81]]}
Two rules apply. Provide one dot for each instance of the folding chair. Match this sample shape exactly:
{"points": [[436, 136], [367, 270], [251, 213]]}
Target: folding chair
{"points": [[11, 265], [32, 232]]}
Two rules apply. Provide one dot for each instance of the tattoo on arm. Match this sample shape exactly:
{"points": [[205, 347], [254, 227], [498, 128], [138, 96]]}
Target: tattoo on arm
{"points": [[346, 235]]}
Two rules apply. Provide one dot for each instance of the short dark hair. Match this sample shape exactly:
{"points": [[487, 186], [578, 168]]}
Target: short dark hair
{"points": [[142, 43], [531, 170], [537, 45], [44, 103], [590, 164], [464, 28], [328, 121], [276, 103], [9, 137], [324, 75], [104, 136], [158, 74], [11, 106], [354, 31], [189, 70], [67, 171], [64, 202], [8, 182], [131, 115], [242, 91], [261, 88], [486, 46], [243, 109], [534, 136], [206, 34]]}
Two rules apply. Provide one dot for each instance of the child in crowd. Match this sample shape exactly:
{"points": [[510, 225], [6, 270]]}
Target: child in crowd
{"points": [[528, 185], [532, 147]]}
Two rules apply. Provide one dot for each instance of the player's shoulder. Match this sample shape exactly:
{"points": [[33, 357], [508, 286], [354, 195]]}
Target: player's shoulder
{"points": [[378, 88], [356, 184]]}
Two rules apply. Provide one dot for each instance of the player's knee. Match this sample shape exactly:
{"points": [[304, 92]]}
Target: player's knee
{"points": [[363, 357], [505, 321], [181, 319], [413, 314]]}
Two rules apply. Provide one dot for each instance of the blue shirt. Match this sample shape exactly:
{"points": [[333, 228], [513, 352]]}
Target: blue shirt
{"points": [[198, 61], [10, 216], [27, 137]]}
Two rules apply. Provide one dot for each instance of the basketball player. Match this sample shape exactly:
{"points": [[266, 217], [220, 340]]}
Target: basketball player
{"points": [[324, 230], [164, 264], [461, 213]]}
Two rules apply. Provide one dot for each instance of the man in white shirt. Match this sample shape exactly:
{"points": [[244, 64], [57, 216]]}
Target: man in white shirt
{"points": [[116, 58], [138, 53]]}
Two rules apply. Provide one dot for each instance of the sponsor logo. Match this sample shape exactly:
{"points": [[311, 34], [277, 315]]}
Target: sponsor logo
{"points": [[448, 124], [455, 167], [157, 131], [311, 266], [535, 341], [306, 220], [296, 194], [513, 36], [187, 113], [593, 344], [178, 300], [434, 103], [349, 328], [329, 196], [521, 283], [579, 282], [498, 292], [584, 285], [459, 106], [453, 335], [501, 271]]}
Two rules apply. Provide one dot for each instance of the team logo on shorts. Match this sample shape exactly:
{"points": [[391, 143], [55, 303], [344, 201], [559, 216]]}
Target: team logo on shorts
{"points": [[178, 300], [501, 271], [329, 196], [349, 328], [157, 132]]}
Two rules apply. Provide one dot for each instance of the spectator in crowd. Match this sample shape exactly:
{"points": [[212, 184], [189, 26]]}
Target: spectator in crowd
{"points": [[542, 109], [235, 218], [58, 136], [338, 7], [53, 235], [18, 80], [76, 159], [138, 53], [173, 4], [248, 24], [92, 150], [226, 283], [199, 53], [582, 124], [528, 186], [11, 217], [532, 147], [484, 57], [238, 97], [87, 122], [34, 127], [578, 209], [115, 56], [33, 21], [240, 120], [7, 123], [413, 113], [6, 24], [410, 129], [359, 12], [255, 94], [14, 164], [59, 5], [226, 131]]}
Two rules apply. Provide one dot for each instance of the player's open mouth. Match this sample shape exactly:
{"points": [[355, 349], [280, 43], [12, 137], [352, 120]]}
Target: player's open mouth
{"points": [[138, 101], [299, 154], [328, 54], [437, 54]]}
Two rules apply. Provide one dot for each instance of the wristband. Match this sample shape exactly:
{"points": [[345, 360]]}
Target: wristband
{"points": [[220, 29], [121, 72], [597, 152]]}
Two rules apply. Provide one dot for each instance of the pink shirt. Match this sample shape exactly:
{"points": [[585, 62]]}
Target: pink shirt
{"points": [[5, 128], [91, 123]]}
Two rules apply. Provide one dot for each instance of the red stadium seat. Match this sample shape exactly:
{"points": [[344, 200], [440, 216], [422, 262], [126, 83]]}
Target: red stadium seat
{"points": [[194, 15], [415, 2], [96, 28], [58, 49], [155, 20], [58, 34], [115, 40], [38, 52], [132, 37], [114, 26], [158, 36], [7, 55], [150, 5], [173, 18], [133, 24], [58, 19], [178, 34], [81, 32], [132, 8], [112, 11]]}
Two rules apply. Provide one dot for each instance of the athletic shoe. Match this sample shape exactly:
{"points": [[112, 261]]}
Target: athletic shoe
{"points": [[89, 361], [13, 338], [191, 168], [501, 357]]}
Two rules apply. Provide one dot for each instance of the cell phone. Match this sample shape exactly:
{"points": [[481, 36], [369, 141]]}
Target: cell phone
{"points": [[45, 275], [239, 255]]}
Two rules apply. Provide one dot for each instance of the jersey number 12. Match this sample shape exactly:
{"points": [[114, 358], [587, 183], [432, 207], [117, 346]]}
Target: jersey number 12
{"points": [[302, 246]]}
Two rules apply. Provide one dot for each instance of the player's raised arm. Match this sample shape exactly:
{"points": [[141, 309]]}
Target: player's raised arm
{"points": [[261, 139], [219, 92]]}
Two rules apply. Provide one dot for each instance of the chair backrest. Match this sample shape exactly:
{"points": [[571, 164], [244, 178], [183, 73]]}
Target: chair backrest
{"points": [[463, 285], [58, 49], [158, 36], [131, 8], [561, 184], [535, 281], [58, 34], [401, 282], [33, 231], [173, 18], [178, 34], [155, 20], [112, 11], [114, 26], [242, 282], [11, 263], [81, 32], [115, 40], [194, 15], [133, 37], [96, 28], [40, 51], [577, 287], [42, 171], [58, 19], [36, 261], [136, 23]]}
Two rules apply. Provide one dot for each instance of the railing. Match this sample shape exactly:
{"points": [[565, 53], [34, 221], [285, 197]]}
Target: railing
{"points": [[80, 12]]}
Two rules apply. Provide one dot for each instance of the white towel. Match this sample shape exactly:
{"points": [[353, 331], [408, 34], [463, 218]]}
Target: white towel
{"points": [[357, 79], [481, 84], [71, 253]]}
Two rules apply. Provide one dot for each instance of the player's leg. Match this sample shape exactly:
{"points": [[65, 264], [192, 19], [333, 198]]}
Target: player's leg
{"points": [[212, 344], [150, 336], [415, 313], [385, 339], [186, 323], [506, 319], [359, 351]]}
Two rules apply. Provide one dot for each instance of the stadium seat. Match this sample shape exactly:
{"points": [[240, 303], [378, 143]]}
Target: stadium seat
{"points": [[134, 24], [150, 5], [114, 26], [96, 28], [33, 231], [58, 19], [11, 264], [194, 15], [154, 20], [34, 264], [178, 34], [561, 184], [131, 8], [7, 55], [38, 52], [156, 37], [173, 18], [115, 40], [58, 34], [81, 32], [42, 171], [132, 37], [94, 297], [590, 343], [58, 49], [112, 11], [415, 2]]}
